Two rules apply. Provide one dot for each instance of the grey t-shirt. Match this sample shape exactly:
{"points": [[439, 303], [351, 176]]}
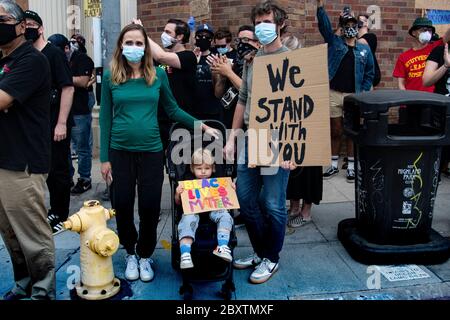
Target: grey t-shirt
{"points": [[245, 94]]}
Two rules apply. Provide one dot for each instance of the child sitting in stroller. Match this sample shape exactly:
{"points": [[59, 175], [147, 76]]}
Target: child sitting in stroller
{"points": [[202, 167]]}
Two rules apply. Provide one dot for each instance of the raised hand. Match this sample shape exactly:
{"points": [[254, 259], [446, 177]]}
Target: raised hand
{"points": [[446, 56]]}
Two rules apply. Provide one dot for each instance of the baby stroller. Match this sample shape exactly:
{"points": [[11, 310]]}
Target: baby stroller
{"points": [[207, 267]]}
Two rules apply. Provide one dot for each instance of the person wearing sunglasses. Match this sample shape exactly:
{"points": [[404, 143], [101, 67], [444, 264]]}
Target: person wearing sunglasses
{"points": [[25, 82], [208, 105], [227, 76], [222, 44]]}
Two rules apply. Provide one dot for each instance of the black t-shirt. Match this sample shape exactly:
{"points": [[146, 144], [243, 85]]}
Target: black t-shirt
{"points": [[182, 83], [61, 77], [228, 112], [344, 80], [25, 127], [81, 65], [207, 106], [373, 43], [232, 55], [443, 85]]}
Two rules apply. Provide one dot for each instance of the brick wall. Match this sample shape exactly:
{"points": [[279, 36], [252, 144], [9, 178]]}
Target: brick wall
{"points": [[393, 38]]}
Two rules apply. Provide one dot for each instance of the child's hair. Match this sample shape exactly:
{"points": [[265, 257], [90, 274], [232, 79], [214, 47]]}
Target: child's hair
{"points": [[201, 156]]}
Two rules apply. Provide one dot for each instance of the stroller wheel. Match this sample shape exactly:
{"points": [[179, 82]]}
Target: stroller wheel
{"points": [[187, 291], [187, 296], [227, 291]]}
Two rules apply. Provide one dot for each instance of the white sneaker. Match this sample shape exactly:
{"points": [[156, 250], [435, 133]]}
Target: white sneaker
{"points": [[251, 260], [186, 261], [132, 272], [263, 271], [145, 269], [224, 253]]}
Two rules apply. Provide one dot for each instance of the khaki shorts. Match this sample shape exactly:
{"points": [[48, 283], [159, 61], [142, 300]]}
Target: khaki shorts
{"points": [[337, 103]]}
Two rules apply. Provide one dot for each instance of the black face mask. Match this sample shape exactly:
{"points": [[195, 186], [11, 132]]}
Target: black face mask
{"points": [[32, 34], [244, 49], [203, 44], [8, 33]]}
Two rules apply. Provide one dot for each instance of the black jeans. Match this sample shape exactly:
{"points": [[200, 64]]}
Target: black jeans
{"points": [[144, 169], [58, 181]]}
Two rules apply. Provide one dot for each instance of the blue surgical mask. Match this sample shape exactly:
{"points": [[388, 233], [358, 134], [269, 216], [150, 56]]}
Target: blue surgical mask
{"points": [[266, 33], [222, 50], [133, 54]]}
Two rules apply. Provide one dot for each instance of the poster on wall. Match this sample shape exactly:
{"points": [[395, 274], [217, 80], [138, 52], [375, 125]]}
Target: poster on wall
{"points": [[92, 8]]}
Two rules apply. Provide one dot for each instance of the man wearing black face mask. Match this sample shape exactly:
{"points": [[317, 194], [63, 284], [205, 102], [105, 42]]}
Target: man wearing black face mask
{"points": [[227, 77], [351, 70], [208, 106], [58, 180], [24, 158]]}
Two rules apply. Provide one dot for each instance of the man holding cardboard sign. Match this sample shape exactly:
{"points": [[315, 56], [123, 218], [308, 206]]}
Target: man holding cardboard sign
{"points": [[265, 225]]}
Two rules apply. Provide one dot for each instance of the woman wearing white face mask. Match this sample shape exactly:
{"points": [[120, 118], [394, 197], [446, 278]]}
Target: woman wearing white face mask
{"points": [[131, 149], [411, 63]]}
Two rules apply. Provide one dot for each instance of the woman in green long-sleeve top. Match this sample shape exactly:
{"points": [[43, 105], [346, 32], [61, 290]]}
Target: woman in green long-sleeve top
{"points": [[131, 149]]}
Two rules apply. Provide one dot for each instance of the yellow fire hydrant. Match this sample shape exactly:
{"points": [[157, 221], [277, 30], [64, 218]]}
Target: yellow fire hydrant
{"points": [[98, 244]]}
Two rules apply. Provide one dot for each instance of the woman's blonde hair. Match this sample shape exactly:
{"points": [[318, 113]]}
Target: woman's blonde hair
{"points": [[201, 156], [121, 71]]}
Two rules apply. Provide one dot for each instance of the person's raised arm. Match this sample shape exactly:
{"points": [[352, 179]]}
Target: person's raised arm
{"points": [[159, 54], [168, 58], [325, 28]]}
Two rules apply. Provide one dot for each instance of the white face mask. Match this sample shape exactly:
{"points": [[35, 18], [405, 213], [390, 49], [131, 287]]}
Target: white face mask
{"points": [[425, 37], [167, 40]]}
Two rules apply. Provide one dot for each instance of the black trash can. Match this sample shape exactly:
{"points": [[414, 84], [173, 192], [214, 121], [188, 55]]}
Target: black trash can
{"points": [[397, 173]]}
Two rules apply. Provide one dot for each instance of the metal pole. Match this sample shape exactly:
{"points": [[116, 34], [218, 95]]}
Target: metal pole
{"points": [[110, 29]]}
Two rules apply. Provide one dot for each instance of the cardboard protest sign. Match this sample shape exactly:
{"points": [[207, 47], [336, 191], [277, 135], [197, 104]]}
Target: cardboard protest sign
{"points": [[290, 94], [203, 195]]}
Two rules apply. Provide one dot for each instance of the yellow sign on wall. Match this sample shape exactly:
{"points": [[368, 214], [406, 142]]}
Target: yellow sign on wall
{"points": [[93, 8]]}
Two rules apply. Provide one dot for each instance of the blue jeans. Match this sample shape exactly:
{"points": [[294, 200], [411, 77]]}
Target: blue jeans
{"points": [[265, 213], [81, 134], [91, 104]]}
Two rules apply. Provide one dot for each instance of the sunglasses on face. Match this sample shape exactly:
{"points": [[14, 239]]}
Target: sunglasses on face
{"points": [[220, 45]]}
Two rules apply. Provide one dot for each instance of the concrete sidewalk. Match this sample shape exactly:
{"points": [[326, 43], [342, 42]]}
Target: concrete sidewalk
{"points": [[314, 265]]}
